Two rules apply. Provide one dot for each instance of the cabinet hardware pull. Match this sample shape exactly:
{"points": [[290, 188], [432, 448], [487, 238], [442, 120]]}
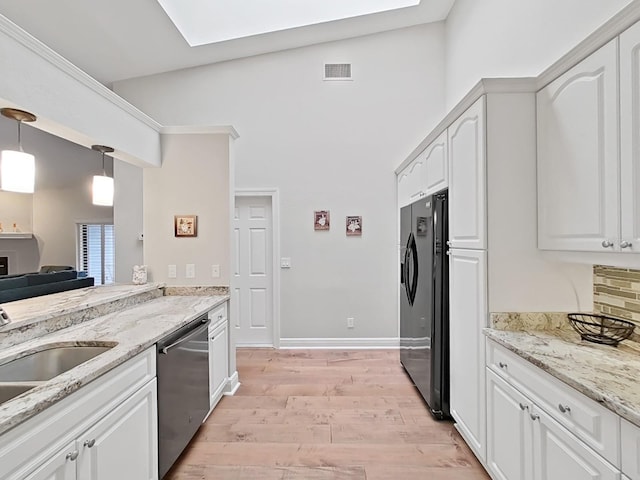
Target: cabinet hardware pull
{"points": [[90, 443], [564, 408], [502, 365], [625, 244], [72, 455], [534, 416], [607, 244], [523, 407]]}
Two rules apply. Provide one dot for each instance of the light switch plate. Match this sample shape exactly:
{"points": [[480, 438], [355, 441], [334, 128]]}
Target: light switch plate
{"points": [[215, 271], [190, 270], [285, 262], [172, 271]]}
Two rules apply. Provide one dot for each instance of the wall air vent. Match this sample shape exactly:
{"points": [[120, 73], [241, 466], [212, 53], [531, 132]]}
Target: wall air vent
{"points": [[337, 71]]}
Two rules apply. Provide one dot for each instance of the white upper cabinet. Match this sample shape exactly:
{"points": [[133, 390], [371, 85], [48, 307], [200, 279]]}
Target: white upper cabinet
{"points": [[630, 139], [467, 179], [437, 173], [578, 156], [412, 181]]}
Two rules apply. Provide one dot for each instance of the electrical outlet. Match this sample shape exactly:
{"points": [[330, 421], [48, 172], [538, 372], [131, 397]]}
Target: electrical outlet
{"points": [[215, 271], [350, 323], [190, 270], [172, 271]]}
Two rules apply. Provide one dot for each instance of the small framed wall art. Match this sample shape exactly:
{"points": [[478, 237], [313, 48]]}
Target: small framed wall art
{"points": [[354, 226], [185, 225], [321, 220]]}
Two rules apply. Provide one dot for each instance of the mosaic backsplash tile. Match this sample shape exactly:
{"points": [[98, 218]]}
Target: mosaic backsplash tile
{"points": [[616, 292]]}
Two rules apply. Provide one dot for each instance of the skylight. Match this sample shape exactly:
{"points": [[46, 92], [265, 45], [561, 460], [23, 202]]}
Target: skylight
{"points": [[210, 21]]}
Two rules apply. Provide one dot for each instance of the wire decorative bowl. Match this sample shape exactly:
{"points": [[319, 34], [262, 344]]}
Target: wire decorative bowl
{"points": [[600, 328]]}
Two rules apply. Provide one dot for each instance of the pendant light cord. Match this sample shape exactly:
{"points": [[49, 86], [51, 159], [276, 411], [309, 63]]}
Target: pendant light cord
{"points": [[19, 136], [104, 172]]}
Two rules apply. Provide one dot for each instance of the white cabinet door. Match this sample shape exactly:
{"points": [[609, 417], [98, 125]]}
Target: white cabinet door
{"points": [[630, 139], [124, 444], [467, 179], [560, 455], [412, 181], [436, 169], [218, 362], [509, 442], [62, 466], [467, 318], [578, 156], [630, 449]]}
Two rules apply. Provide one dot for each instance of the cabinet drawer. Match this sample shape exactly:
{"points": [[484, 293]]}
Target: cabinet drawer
{"points": [[597, 426], [218, 314], [630, 450]]}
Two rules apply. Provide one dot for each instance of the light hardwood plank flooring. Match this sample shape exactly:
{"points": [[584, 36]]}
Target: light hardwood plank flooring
{"points": [[325, 415]]}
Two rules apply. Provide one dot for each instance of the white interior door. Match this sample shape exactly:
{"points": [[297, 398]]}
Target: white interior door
{"points": [[253, 271]]}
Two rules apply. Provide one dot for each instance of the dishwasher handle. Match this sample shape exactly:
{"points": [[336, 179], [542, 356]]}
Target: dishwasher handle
{"points": [[191, 333]]}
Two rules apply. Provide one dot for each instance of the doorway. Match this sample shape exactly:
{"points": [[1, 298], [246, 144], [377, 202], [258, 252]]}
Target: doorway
{"points": [[255, 279]]}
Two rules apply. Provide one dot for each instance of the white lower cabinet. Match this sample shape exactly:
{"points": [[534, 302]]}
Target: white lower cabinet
{"points": [[107, 430], [630, 449], [218, 362], [524, 443]]}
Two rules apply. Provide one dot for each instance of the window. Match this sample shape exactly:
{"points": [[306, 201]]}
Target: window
{"points": [[96, 251]]}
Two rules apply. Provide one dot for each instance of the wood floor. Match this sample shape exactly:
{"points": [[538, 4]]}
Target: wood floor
{"points": [[324, 415]]}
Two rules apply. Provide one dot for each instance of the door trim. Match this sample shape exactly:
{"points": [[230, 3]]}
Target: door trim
{"points": [[274, 194]]}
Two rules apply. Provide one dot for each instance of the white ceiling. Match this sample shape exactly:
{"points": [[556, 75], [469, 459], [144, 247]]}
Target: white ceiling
{"points": [[119, 39]]}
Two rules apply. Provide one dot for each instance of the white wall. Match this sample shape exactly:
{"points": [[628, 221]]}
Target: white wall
{"points": [[325, 145], [127, 219], [193, 180], [506, 38]]}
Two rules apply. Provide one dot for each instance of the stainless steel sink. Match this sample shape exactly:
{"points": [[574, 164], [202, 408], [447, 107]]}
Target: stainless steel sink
{"points": [[49, 362], [10, 390]]}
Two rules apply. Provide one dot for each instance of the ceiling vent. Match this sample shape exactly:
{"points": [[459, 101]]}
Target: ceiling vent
{"points": [[337, 71]]}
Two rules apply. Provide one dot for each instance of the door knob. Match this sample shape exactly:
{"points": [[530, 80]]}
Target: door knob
{"points": [[625, 244], [607, 244]]}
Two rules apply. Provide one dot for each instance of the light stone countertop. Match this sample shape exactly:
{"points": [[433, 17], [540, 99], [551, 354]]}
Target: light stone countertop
{"points": [[608, 375], [133, 329]]}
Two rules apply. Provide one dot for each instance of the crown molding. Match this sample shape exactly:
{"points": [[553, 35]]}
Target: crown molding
{"points": [[64, 65], [200, 130], [483, 87]]}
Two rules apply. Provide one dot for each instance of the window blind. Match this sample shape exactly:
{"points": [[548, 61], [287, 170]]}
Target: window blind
{"points": [[97, 251]]}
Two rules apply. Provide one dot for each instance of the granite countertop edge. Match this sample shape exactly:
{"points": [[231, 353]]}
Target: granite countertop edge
{"points": [[580, 365], [133, 330]]}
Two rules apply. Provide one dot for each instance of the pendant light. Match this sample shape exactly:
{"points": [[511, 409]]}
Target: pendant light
{"points": [[102, 184], [17, 168]]}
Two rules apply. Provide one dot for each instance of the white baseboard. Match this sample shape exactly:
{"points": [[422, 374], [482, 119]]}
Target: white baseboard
{"points": [[362, 343], [232, 384]]}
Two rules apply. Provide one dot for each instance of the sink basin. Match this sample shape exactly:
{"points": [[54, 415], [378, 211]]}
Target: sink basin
{"points": [[48, 363], [9, 390]]}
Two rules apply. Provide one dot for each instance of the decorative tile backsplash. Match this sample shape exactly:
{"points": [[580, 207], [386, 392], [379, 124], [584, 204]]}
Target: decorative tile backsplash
{"points": [[616, 292]]}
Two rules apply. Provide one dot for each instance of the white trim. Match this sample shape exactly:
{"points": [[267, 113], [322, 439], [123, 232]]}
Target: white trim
{"points": [[200, 130], [359, 343], [64, 65], [233, 384], [15, 235], [274, 193]]}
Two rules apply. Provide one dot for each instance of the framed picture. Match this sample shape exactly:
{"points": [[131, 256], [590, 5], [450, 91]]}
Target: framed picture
{"points": [[185, 225], [321, 220], [354, 226]]}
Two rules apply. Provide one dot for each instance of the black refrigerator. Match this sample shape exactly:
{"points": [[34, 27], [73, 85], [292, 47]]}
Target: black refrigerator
{"points": [[424, 299]]}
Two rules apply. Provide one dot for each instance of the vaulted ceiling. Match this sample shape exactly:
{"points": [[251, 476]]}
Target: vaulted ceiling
{"points": [[120, 39]]}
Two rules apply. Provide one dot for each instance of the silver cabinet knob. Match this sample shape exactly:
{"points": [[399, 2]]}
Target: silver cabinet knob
{"points": [[502, 365], [607, 244], [523, 407], [90, 443], [564, 408], [534, 416], [625, 244], [72, 455]]}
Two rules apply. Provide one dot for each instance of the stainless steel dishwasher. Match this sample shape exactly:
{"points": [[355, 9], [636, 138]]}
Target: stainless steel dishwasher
{"points": [[183, 389]]}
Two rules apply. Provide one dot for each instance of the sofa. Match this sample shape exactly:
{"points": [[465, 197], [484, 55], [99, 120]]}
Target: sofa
{"points": [[48, 280]]}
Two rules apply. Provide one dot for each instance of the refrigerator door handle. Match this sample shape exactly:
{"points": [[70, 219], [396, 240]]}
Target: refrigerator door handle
{"points": [[411, 283]]}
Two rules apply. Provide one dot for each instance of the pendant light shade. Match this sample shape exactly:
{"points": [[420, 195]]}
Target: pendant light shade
{"points": [[17, 168], [102, 184]]}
